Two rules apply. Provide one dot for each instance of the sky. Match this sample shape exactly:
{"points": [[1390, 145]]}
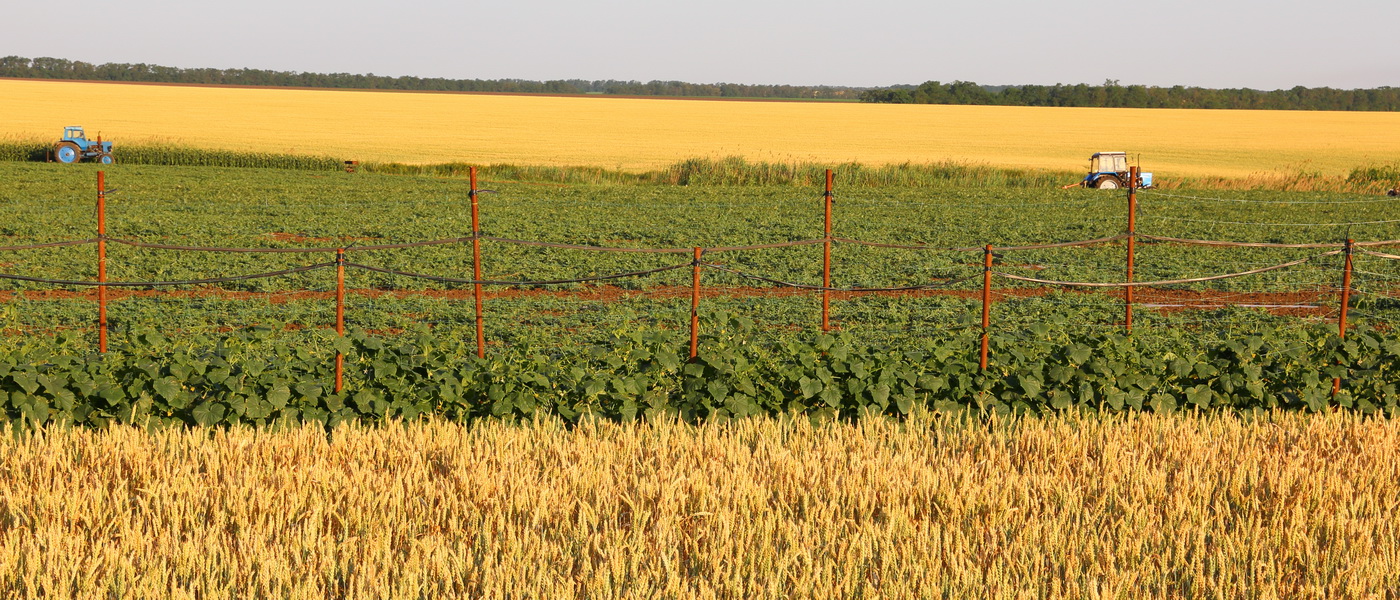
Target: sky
{"points": [[1260, 44]]}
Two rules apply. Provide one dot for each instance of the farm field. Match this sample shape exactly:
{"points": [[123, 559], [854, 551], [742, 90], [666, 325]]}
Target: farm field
{"points": [[559, 348], [289, 209], [1205, 455], [638, 134], [1130, 506]]}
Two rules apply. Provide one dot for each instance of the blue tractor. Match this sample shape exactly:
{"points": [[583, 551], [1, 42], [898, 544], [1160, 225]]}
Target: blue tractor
{"points": [[1109, 171], [75, 147]]}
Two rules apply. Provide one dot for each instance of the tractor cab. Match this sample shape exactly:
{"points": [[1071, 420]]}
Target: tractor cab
{"points": [[1100, 162], [74, 146], [1109, 171]]}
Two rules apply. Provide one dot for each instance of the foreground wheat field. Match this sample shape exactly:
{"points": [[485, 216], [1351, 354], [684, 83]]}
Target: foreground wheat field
{"points": [[636, 134], [1134, 506]]}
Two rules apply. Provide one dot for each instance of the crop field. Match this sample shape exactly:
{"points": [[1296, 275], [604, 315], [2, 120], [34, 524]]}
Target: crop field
{"points": [[1130, 506], [618, 347], [209, 453], [638, 134]]}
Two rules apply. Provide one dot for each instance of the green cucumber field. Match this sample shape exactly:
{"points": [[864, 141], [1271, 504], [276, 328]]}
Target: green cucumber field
{"points": [[906, 299]]}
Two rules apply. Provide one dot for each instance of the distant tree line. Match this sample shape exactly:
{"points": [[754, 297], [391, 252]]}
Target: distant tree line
{"points": [[1113, 95], [1110, 94], [58, 68]]}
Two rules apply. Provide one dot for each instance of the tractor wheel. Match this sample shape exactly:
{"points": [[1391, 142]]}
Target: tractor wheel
{"points": [[105, 159], [1107, 183], [67, 152]]}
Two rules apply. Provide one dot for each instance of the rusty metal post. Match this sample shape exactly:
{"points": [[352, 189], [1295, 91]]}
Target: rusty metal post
{"points": [[102, 261], [826, 259], [986, 301], [695, 305], [1132, 248], [476, 269], [339, 317], [1346, 303]]}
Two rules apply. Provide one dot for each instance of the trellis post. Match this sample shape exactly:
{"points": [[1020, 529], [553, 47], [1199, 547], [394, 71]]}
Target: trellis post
{"points": [[695, 304], [102, 261], [826, 258], [986, 301], [1132, 249], [339, 317], [476, 269], [1345, 304]]}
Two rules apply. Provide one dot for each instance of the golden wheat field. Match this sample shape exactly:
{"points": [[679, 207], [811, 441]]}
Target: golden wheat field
{"points": [[1130, 506], [638, 134]]}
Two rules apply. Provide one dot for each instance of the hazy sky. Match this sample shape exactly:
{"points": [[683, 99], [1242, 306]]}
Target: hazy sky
{"points": [[1263, 44]]}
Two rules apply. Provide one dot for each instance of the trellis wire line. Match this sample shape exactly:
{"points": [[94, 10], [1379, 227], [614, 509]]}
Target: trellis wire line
{"points": [[1241, 200], [1311, 274], [1391, 294], [49, 245], [1230, 265], [950, 205], [1176, 240], [979, 248], [764, 246], [168, 283], [1166, 282], [1049, 266], [1379, 254], [513, 283], [1213, 222], [464, 239], [1391, 276], [835, 289], [585, 247]]}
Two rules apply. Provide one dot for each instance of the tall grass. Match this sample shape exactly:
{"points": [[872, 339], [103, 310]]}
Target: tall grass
{"points": [[1132, 506], [738, 171], [150, 154]]}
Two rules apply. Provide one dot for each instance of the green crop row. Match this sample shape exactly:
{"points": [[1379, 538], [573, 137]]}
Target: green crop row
{"points": [[249, 377]]}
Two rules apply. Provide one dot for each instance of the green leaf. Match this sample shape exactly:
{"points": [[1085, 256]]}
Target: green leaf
{"points": [[364, 401], [1030, 386], [1199, 395], [383, 370], [718, 391], [905, 402], [208, 413], [1115, 398], [593, 387], [279, 395], [27, 381], [335, 402], [1079, 353], [880, 394], [168, 388], [36, 411], [309, 391]]}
